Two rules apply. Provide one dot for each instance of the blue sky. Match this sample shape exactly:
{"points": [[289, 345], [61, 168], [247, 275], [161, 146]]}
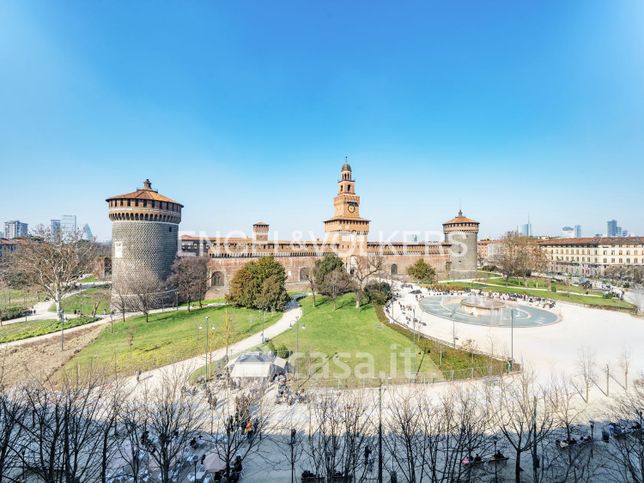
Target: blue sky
{"points": [[244, 111]]}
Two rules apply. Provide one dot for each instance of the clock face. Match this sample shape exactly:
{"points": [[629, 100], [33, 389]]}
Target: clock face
{"points": [[352, 208]]}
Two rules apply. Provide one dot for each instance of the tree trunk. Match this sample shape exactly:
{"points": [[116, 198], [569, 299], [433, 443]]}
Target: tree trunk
{"points": [[517, 468], [59, 307], [358, 298]]}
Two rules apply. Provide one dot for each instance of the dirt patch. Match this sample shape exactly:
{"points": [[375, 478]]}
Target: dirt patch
{"points": [[41, 360]]}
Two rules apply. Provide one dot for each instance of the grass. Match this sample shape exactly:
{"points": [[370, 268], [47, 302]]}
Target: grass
{"points": [[88, 279], [542, 283], [83, 302], [33, 328], [10, 297], [334, 341], [598, 301], [194, 305], [455, 363], [134, 345]]}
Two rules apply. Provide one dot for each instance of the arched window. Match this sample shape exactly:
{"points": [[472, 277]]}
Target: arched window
{"points": [[304, 274], [394, 269], [217, 279]]}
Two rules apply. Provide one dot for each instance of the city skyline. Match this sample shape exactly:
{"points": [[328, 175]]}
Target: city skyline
{"points": [[437, 106]]}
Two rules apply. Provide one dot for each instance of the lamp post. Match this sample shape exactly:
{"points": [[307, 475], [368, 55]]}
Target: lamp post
{"points": [[207, 344], [297, 344], [511, 336], [292, 445], [496, 470], [453, 328]]}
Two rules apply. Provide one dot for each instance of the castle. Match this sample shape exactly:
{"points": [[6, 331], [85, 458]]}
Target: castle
{"points": [[145, 230], [346, 234], [145, 226]]}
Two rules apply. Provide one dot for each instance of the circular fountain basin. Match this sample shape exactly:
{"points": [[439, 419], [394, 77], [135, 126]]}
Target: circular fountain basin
{"points": [[477, 310]]}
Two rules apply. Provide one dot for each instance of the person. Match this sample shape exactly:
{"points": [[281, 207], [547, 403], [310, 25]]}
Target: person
{"points": [[367, 453], [477, 458], [138, 376]]}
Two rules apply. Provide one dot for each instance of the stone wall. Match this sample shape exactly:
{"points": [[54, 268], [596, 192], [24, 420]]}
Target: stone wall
{"points": [[143, 245], [222, 270]]}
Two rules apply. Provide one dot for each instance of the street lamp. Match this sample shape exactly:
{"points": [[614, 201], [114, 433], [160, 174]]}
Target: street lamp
{"points": [[496, 470], [512, 335], [207, 353], [453, 328], [297, 344]]}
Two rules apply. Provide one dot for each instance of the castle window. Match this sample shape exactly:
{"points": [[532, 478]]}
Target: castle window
{"points": [[217, 279], [170, 229]]}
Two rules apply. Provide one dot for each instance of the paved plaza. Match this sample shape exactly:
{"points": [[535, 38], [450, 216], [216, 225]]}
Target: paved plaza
{"points": [[547, 349]]}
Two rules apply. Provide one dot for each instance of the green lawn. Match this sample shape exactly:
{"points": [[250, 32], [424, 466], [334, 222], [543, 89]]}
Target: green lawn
{"points": [[33, 328], [539, 282], [10, 297], [355, 340], [169, 337], [83, 302], [88, 279], [594, 300], [205, 302]]}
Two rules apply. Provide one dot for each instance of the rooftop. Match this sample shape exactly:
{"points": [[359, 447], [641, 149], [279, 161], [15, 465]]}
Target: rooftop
{"points": [[145, 193], [595, 240], [460, 219]]}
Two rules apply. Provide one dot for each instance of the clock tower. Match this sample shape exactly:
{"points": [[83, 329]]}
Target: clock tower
{"points": [[346, 227]]}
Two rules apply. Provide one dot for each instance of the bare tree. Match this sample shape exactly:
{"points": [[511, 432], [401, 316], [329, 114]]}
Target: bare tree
{"points": [[173, 419], [12, 413], [627, 452], [338, 435], [239, 427], [519, 256], [523, 418], [144, 291], [52, 264], [571, 461], [190, 278], [586, 365], [312, 276], [120, 297], [337, 282], [68, 430], [363, 269]]}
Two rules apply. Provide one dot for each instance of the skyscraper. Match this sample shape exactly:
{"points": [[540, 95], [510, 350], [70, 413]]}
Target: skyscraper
{"points": [[611, 228], [15, 229], [577, 231], [526, 230], [568, 232], [87, 233], [68, 225], [55, 229]]}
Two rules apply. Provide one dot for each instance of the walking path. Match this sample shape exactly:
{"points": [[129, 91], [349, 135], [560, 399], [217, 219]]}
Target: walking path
{"points": [[155, 376], [101, 320]]}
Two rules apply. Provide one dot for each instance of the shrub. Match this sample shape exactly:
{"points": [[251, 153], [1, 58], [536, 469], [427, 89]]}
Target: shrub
{"points": [[377, 293], [259, 285], [422, 272]]}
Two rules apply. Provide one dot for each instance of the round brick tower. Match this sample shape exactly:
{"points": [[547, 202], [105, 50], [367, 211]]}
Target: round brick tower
{"points": [[145, 227], [462, 233]]}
